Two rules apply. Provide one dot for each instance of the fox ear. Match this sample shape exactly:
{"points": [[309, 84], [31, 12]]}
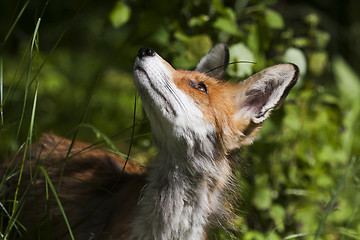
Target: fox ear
{"points": [[214, 63], [264, 91]]}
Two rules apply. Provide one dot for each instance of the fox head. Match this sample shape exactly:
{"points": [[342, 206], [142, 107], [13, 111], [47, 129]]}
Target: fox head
{"points": [[194, 109]]}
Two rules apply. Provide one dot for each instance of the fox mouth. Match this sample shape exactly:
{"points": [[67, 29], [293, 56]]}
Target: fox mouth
{"points": [[163, 102]]}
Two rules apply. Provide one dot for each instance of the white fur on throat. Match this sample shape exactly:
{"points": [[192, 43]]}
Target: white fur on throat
{"points": [[177, 204]]}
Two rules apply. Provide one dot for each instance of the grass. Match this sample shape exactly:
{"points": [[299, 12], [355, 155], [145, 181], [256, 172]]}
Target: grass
{"points": [[15, 207], [11, 227], [57, 200], [332, 201], [13, 215], [1, 92]]}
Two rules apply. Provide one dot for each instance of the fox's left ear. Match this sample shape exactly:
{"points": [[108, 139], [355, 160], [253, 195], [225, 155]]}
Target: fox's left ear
{"points": [[261, 93], [214, 63]]}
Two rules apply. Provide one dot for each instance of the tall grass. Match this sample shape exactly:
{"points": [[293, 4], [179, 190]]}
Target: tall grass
{"points": [[11, 226], [16, 203], [1, 92], [32, 70]]}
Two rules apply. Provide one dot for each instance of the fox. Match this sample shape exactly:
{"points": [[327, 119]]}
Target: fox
{"points": [[198, 121]]}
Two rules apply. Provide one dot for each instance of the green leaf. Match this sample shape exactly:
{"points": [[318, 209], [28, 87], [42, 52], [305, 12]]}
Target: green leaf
{"points": [[253, 235], [240, 6], [349, 86], [273, 236], [273, 19], [227, 26], [240, 52], [312, 19], [230, 14], [120, 14], [199, 20], [278, 214], [322, 38], [295, 55], [253, 38], [301, 42], [196, 47], [318, 62], [262, 198], [348, 82], [180, 36]]}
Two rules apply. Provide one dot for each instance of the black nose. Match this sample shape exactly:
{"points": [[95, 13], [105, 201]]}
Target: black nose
{"points": [[146, 51]]}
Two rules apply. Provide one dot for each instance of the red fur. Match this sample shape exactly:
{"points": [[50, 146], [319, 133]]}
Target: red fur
{"points": [[91, 188]]}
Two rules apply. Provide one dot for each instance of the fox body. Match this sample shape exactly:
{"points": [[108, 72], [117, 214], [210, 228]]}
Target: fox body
{"points": [[197, 122]]}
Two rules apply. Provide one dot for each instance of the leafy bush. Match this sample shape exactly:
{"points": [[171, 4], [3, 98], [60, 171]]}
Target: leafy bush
{"points": [[72, 68]]}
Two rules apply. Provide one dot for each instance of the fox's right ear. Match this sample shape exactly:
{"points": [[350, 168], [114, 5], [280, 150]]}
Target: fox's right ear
{"points": [[214, 63], [266, 90], [260, 94]]}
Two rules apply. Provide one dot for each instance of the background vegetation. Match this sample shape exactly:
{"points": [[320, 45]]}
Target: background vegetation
{"points": [[67, 65]]}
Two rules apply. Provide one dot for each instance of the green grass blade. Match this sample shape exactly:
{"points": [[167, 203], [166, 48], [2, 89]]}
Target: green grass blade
{"points": [[15, 22], [110, 143], [8, 215], [107, 140], [132, 134], [30, 133], [331, 203], [28, 73], [77, 129], [33, 112], [31, 128], [12, 219], [297, 235], [6, 174], [13, 84], [27, 143], [1, 92], [52, 188]]}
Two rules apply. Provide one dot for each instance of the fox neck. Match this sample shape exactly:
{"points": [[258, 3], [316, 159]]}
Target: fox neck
{"points": [[184, 188]]}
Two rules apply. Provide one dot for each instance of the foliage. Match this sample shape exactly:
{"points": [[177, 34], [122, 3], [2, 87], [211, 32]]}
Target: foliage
{"points": [[67, 66]]}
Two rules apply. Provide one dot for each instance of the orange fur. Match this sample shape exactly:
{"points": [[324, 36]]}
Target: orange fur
{"points": [[91, 189]]}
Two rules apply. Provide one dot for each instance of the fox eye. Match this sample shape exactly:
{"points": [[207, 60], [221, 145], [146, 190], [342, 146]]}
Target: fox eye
{"points": [[200, 86]]}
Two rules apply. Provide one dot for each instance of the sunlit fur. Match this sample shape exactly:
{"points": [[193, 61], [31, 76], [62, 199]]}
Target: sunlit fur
{"points": [[183, 189], [195, 132]]}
